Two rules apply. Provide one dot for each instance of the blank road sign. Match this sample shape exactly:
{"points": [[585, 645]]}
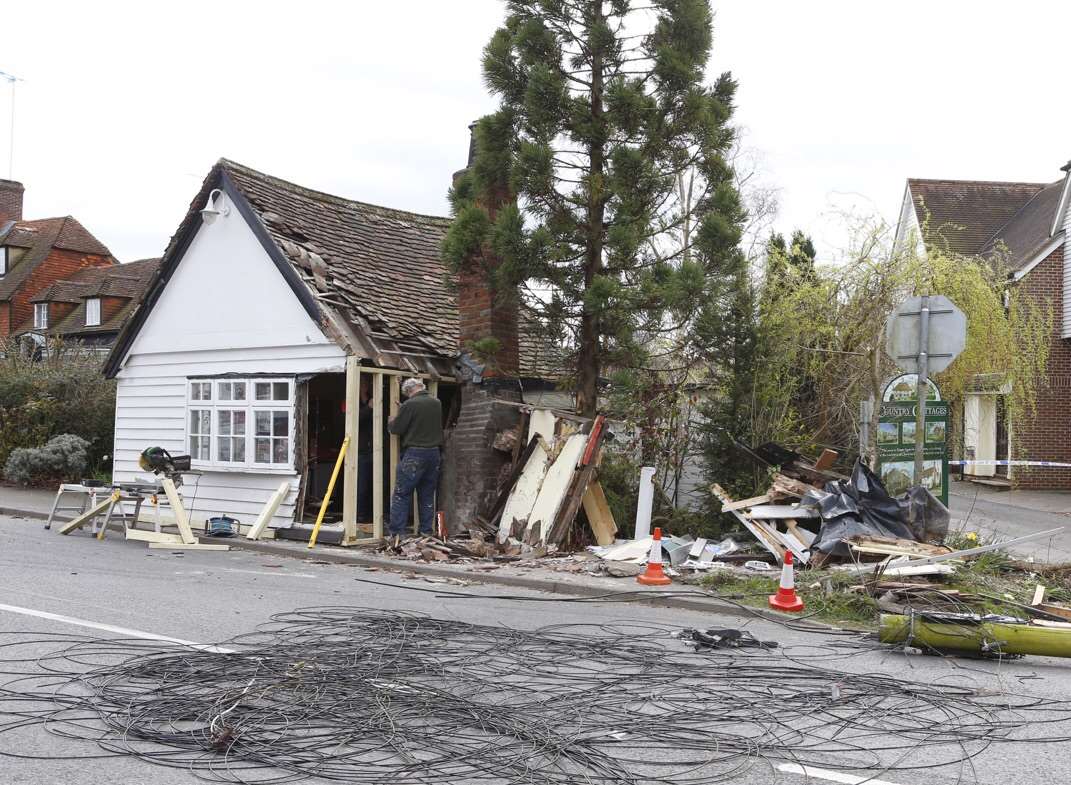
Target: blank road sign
{"points": [[948, 333]]}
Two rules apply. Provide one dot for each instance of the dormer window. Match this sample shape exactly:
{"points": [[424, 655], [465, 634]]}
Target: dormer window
{"points": [[3, 261], [40, 316], [93, 312]]}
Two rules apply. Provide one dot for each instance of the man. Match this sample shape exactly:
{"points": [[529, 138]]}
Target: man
{"points": [[364, 456], [419, 423]]}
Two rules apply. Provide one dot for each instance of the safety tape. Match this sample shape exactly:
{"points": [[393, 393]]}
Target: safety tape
{"points": [[1011, 463]]}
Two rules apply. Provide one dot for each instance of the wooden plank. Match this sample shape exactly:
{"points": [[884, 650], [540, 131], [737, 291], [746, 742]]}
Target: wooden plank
{"points": [[758, 529], [789, 486], [140, 535], [542, 422], [802, 535], [88, 515], [330, 490], [395, 440], [556, 486], [525, 490], [189, 546], [778, 512], [262, 521], [1039, 595], [600, 517], [826, 460], [182, 520], [353, 427], [377, 455], [745, 503], [1056, 610]]}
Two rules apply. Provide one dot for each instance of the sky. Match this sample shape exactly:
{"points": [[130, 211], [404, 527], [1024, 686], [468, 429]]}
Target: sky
{"points": [[124, 107]]}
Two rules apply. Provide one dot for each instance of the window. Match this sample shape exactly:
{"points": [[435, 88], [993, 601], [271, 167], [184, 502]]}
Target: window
{"points": [[3, 261], [241, 423], [40, 316], [93, 312]]}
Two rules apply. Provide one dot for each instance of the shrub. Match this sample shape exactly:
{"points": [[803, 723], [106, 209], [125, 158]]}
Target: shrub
{"points": [[64, 457], [61, 392]]}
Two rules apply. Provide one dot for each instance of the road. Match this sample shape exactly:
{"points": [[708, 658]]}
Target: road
{"points": [[1006, 515], [121, 589]]}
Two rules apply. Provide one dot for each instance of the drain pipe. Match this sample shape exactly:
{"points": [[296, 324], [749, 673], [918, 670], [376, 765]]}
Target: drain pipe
{"points": [[644, 502]]}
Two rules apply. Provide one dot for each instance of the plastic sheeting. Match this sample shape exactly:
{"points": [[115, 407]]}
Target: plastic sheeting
{"points": [[859, 507]]}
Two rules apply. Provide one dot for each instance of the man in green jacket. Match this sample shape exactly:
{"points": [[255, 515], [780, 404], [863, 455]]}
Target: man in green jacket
{"points": [[419, 423]]}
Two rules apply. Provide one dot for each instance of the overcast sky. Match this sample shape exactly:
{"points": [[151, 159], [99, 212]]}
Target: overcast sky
{"points": [[125, 106]]}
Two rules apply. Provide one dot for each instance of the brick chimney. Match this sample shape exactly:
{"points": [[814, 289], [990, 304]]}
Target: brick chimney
{"points": [[486, 313], [477, 467], [10, 201]]}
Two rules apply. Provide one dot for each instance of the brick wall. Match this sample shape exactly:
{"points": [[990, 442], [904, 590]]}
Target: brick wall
{"points": [[482, 315], [10, 201], [5, 321], [59, 265], [1047, 436], [479, 467]]}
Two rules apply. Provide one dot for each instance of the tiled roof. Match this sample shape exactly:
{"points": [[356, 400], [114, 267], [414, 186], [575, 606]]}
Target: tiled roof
{"points": [[966, 214], [1028, 230], [120, 280], [40, 237]]}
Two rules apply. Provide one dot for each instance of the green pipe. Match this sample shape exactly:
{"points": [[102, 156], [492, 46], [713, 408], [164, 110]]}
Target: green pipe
{"points": [[971, 636]]}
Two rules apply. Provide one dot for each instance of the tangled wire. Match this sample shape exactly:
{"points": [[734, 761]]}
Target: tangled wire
{"points": [[366, 696]]}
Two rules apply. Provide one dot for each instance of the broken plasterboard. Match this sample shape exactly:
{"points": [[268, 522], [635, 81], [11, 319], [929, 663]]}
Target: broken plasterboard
{"points": [[777, 512], [525, 491], [541, 422], [555, 486]]}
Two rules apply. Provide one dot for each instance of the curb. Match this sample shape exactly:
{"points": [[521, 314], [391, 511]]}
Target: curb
{"points": [[660, 600]]}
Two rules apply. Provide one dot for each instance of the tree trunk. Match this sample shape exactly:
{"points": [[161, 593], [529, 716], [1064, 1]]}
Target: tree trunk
{"points": [[589, 362]]}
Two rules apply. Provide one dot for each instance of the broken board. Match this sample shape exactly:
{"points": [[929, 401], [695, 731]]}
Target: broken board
{"points": [[779, 512], [600, 518], [542, 423], [555, 486], [526, 490]]}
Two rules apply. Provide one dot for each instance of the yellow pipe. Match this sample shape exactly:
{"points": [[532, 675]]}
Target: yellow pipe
{"points": [[1006, 638], [330, 489]]}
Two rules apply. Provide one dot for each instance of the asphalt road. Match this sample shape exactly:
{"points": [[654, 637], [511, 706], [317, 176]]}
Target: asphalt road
{"points": [[209, 597], [1001, 515]]}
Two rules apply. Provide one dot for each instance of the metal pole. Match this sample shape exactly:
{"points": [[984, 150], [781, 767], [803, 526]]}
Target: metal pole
{"points": [[923, 379]]}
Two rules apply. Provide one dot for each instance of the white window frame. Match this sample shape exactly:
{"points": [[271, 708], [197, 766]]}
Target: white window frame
{"points": [[93, 307], [40, 316], [3, 260], [217, 396]]}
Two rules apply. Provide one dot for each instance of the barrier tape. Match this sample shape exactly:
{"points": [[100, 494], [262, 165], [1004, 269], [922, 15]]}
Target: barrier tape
{"points": [[1054, 464]]}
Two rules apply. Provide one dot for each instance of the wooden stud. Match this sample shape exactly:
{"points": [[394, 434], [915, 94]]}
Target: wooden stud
{"points": [[743, 503], [353, 426], [395, 441], [600, 517], [1039, 595], [140, 535], [377, 454], [182, 520], [826, 460], [88, 515], [266, 514], [330, 490], [188, 546]]}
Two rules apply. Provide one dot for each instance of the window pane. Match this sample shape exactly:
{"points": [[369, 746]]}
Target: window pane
{"points": [[281, 391], [195, 391], [239, 391], [239, 423], [280, 450], [281, 423], [263, 423], [238, 446], [224, 449], [263, 391], [262, 450], [224, 391], [206, 421], [195, 421], [224, 423], [193, 447]]}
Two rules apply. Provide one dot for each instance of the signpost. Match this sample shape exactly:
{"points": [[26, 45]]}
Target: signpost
{"points": [[898, 436], [923, 336]]}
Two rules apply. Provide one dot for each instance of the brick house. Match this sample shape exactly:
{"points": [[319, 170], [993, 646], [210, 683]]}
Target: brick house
{"points": [[35, 254], [90, 307], [1027, 223]]}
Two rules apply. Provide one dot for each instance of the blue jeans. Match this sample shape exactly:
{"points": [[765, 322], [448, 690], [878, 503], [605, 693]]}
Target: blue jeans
{"points": [[418, 469]]}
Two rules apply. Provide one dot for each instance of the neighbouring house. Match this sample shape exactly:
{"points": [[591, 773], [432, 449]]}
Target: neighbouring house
{"points": [[1027, 224], [35, 254], [89, 308], [274, 309]]}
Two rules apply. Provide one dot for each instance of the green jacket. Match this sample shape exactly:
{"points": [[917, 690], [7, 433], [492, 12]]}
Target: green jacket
{"points": [[419, 421]]}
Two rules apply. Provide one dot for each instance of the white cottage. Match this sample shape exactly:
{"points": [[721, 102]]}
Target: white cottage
{"points": [[272, 307]]}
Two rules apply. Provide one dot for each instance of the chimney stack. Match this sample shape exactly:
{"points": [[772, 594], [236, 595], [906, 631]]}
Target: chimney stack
{"points": [[10, 201]]}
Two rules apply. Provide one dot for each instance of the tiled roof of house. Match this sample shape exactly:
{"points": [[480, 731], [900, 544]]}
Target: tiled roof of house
{"points": [[39, 237], [982, 217]]}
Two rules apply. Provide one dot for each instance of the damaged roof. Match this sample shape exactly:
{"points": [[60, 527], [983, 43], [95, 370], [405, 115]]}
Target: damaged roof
{"points": [[982, 217]]}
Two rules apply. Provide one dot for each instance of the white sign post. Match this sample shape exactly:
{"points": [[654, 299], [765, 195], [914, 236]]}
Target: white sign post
{"points": [[923, 336]]}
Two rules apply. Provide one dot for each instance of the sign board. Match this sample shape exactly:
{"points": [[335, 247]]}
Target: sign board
{"points": [[905, 387], [947, 333], [896, 446]]}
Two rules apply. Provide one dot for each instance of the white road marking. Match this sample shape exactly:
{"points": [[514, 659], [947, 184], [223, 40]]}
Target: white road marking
{"points": [[123, 631], [829, 774], [283, 574]]}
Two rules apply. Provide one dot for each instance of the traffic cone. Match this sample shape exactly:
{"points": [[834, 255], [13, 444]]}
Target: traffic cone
{"points": [[786, 598], [654, 576]]}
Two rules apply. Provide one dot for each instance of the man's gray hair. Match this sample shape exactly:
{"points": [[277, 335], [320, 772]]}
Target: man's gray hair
{"points": [[411, 387]]}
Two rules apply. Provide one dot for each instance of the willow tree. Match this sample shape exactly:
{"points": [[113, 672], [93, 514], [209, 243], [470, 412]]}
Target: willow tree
{"points": [[575, 188]]}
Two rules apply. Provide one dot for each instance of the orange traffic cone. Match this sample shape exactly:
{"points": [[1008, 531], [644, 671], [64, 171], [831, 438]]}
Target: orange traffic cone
{"points": [[654, 576], [786, 598]]}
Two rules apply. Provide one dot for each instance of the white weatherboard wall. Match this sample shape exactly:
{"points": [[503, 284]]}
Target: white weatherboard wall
{"points": [[226, 309], [1065, 317]]}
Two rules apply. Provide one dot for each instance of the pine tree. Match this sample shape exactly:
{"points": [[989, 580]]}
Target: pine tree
{"points": [[604, 113]]}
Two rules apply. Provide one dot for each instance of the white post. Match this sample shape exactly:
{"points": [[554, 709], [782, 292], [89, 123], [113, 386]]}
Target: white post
{"points": [[643, 504]]}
